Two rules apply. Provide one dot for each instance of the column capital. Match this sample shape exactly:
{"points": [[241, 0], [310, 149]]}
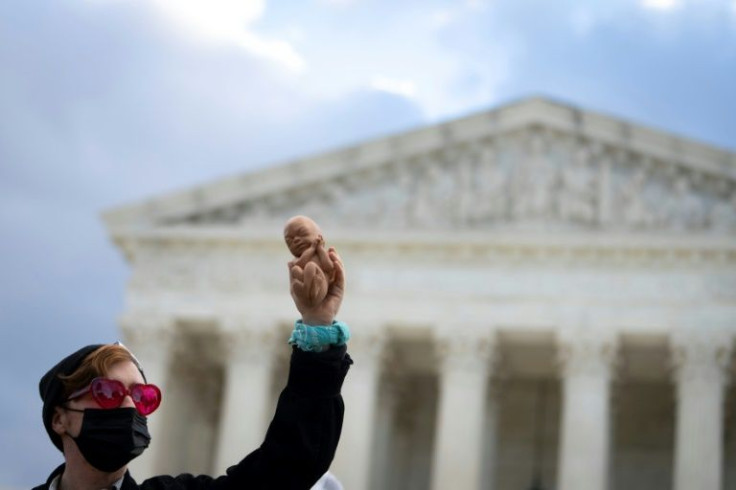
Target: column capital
{"points": [[701, 355], [369, 347], [244, 339], [465, 352], [147, 336], [145, 321], [586, 352]]}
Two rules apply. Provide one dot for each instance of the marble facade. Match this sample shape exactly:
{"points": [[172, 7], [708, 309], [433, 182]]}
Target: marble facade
{"points": [[537, 294]]}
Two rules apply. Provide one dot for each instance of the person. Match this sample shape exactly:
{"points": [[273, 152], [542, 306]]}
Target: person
{"points": [[96, 402]]}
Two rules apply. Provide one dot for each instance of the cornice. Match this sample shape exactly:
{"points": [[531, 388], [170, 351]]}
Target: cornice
{"points": [[580, 249]]}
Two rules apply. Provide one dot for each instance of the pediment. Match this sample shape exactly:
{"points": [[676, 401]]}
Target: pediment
{"points": [[533, 165]]}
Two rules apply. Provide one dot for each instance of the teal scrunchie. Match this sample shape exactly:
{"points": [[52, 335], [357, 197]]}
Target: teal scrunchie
{"points": [[318, 338]]}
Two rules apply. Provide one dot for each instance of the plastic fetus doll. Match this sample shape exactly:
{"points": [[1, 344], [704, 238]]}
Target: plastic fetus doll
{"points": [[312, 272]]}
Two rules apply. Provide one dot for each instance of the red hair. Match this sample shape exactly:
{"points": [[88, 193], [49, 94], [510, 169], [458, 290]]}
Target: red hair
{"points": [[96, 364]]}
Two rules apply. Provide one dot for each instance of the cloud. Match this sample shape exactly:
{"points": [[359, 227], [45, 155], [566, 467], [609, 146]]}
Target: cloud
{"points": [[230, 22], [427, 53], [404, 88], [339, 3], [660, 4]]}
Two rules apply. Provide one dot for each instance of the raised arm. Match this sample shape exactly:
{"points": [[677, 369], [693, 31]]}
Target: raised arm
{"points": [[302, 438]]}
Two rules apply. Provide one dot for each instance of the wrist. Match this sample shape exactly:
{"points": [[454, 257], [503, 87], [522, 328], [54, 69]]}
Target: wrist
{"points": [[315, 321], [318, 338]]}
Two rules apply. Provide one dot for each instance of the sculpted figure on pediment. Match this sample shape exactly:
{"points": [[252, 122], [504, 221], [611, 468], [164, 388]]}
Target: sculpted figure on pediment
{"points": [[534, 182], [317, 208], [685, 209], [395, 200], [490, 196], [433, 197], [339, 198], [345, 202], [256, 211], [521, 184], [636, 211], [465, 173], [658, 196], [578, 194], [448, 186], [419, 209], [386, 200], [379, 205], [723, 214]]}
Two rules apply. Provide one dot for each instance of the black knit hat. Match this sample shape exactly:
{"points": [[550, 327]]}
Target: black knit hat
{"points": [[52, 389]]}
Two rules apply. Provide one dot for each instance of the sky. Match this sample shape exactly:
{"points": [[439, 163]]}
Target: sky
{"points": [[108, 102]]}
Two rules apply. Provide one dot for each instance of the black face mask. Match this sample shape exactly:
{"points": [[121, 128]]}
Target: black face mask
{"points": [[111, 438]]}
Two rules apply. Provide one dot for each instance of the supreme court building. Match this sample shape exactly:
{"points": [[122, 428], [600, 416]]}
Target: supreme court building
{"points": [[538, 295]]}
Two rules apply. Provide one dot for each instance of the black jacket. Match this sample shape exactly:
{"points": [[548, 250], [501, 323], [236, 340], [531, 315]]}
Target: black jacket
{"points": [[300, 442]]}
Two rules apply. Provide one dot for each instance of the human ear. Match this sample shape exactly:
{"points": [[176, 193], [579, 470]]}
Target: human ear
{"points": [[58, 421]]}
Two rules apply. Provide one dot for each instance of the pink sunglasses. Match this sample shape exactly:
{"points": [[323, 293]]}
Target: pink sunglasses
{"points": [[110, 393]]}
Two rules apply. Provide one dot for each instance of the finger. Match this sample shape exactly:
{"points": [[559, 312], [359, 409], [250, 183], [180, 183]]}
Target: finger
{"points": [[334, 256], [339, 267], [339, 281]]}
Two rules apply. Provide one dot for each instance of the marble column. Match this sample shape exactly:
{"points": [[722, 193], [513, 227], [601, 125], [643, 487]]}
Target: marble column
{"points": [[150, 338], [701, 363], [382, 455], [248, 350], [490, 443], [464, 371], [586, 368], [353, 460]]}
